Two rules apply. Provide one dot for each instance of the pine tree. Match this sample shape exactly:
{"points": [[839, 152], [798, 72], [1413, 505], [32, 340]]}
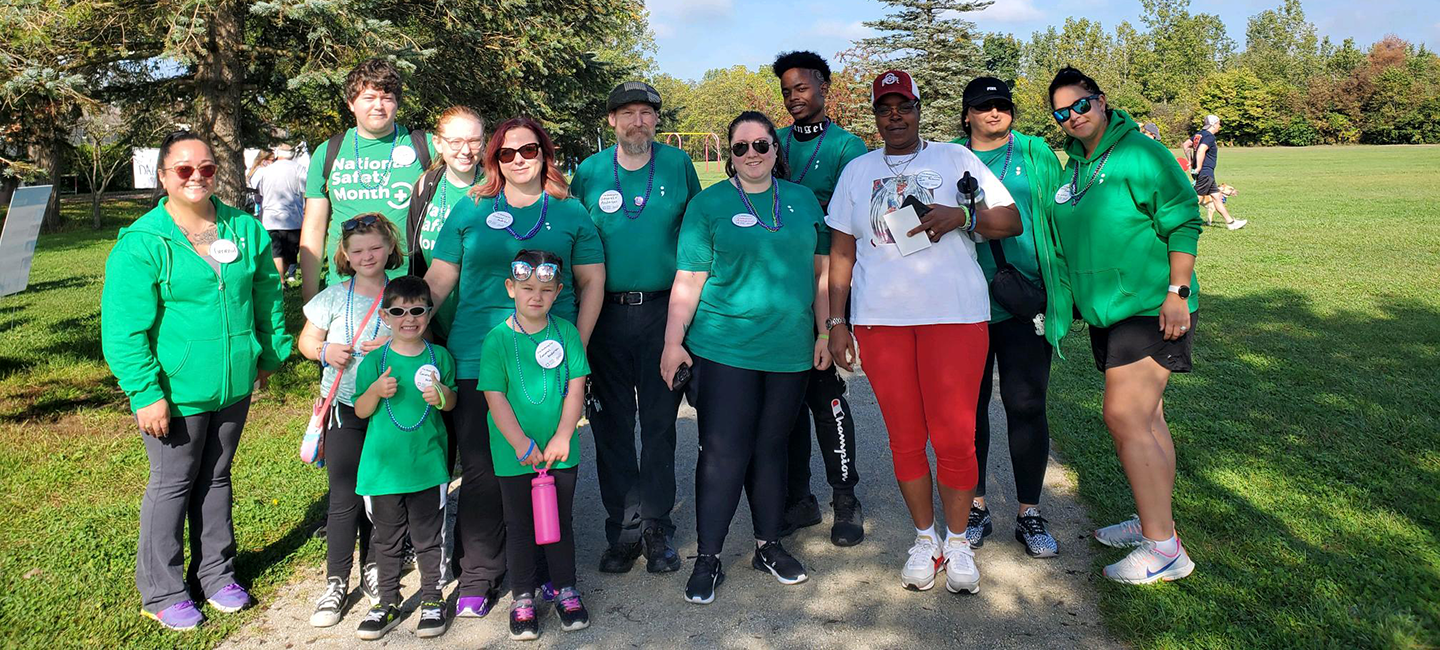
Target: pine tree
{"points": [[937, 47]]}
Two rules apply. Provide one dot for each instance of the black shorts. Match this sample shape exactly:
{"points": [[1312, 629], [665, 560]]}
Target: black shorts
{"points": [[1137, 337], [1205, 185], [285, 244]]}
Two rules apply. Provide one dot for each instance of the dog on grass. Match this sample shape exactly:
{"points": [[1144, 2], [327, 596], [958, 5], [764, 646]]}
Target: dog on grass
{"points": [[1226, 191]]}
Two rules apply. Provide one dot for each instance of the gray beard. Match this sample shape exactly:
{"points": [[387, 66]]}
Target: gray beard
{"points": [[635, 148]]}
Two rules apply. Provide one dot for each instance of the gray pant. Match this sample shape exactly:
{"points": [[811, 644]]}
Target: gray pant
{"points": [[189, 481]]}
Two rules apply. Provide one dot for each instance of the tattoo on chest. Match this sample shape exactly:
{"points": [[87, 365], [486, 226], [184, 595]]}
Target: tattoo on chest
{"points": [[205, 237]]}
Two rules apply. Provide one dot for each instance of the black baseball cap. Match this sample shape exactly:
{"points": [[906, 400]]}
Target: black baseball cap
{"points": [[984, 89], [632, 92]]}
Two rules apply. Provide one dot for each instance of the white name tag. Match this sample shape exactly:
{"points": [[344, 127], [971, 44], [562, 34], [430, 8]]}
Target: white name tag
{"points": [[224, 251], [549, 353], [404, 156], [426, 376], [499, 220], [744, 220], [929, 179], [610, 201]]}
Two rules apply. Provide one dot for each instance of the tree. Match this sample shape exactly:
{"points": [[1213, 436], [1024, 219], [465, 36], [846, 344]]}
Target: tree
{"points": [[1001, 54], [929, 40], [1184, 48], [1280, 45], [102, 141]]}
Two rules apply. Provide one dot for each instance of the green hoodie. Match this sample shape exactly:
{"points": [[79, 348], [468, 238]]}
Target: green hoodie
{"points": [[1114, 245], [165, 332]]}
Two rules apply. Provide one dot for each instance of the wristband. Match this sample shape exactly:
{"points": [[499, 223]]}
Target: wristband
{"points": [[441, 391], [527, 451], [824, 337], [972, 220], [323, 362]]}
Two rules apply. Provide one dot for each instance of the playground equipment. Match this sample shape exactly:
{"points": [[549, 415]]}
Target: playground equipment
{"points": [[709, 140]]}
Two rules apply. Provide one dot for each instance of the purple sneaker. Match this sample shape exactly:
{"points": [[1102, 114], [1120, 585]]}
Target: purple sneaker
{"points": [[183, 616], [473, 606], [232, 598], [547, 592]]}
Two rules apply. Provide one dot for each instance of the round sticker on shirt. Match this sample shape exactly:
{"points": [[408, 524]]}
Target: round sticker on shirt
{"points": [[499, 220], [224, 251], [426, 376], [549, 353], [639, 201], [404, 156], [744, 220], [929, 179], [610, 201], [1063, 194]]}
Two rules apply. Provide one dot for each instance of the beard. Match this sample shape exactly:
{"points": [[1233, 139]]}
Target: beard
{"points": [[636, 141]]}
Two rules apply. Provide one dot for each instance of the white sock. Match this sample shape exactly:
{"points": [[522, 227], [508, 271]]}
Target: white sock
{"points": [[1169, 547], [950, 534], [928, 531]]}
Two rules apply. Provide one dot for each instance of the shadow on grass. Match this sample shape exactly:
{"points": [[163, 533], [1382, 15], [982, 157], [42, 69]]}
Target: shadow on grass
{"points": [[249, 565], [1308, 488]]}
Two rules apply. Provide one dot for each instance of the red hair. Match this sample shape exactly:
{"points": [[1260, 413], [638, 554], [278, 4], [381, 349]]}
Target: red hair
{"points": [[555, 184]]}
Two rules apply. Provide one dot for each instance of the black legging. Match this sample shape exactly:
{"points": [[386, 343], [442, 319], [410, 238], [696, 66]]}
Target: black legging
{"points": [[479, 524], [521, 551], [1024, 376], [745, 418], [344, 437]]}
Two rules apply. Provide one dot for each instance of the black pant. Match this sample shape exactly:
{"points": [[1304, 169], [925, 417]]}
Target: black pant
{"points": [[344, 437], [520, 547], [1024, 377], [479, 525], [834, 430], [744, 417], [423, 514], [625, 362]]}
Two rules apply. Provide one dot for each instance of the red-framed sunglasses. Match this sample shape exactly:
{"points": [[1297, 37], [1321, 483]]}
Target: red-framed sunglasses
{"points": [[186, 171]]}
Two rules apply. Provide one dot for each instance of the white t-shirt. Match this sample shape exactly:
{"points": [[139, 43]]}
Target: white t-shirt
{"points": [[942, 284], [327, 312], [281, 185]]}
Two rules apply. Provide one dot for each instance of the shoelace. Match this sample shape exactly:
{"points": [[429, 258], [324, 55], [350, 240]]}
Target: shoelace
{"points": [[333, 596], [977, 517], [1033, 525], [570, 600], [709, 562], [432, 611], [924, 544], [654, 540], [376, 614], [961, 553], [523, 611], [845, 509]]}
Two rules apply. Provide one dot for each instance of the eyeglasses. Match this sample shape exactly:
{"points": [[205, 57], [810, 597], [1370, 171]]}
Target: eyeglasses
{"points": [[363, 220], [904, 108], [762, 147], [457, 144], [528, 152], [994, 104], [521, 271], [407, 311], [186, 171], [1080, 107]]}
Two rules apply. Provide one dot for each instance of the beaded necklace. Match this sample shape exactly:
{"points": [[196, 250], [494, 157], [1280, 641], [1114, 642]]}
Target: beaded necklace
{"points": [[544, 208], [774, 210], [384, 355], [806, 169], [649, 183], [1009, 149], [393, 140], [1075, 180], [350, 311], [520, 367]]}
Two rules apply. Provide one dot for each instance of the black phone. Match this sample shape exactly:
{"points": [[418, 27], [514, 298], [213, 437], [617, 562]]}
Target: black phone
{"points": [[920, 208], [682, 376]]}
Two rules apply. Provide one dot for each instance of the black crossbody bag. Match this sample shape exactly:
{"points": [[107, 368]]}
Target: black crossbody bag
{"points": [[1010, 288]]}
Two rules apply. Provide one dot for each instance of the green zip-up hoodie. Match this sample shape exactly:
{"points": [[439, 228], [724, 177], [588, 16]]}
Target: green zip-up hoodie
{"points": [[172, 329], [1114, 244]]}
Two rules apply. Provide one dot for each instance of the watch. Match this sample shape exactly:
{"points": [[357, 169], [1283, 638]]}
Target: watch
{"points": [[832, 321], [1182, 290]]}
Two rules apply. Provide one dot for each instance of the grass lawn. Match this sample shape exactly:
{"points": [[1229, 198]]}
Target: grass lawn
{"points": [[1309, 435]]}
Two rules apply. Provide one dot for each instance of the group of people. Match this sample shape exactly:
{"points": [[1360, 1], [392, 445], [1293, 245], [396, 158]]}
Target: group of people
{"points": [[485, 304]]}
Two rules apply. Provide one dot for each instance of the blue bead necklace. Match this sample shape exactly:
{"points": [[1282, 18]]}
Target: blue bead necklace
{"points": [[564, 386], [544, 208], [384, 355]]}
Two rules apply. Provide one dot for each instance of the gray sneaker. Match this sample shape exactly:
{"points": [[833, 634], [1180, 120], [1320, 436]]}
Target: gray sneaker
{"points": [[331, 604], [1125, 534], [370, 582], [1030, 531]]}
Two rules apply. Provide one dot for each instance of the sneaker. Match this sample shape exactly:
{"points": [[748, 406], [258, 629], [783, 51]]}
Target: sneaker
{"points": [[704, 578], [1030, 531], [473, 606], [803, 513], [1122, 535], [924, 563], [961, 574], [1147, 564], [370, 583], [378, 621], [572, 612], [331, 604], [432, 622], [849, 526], [619, 558], [182, 616], [773, 557], [978, 526], [230, 599], [1236, 224], [660, 557], [523, 624]]}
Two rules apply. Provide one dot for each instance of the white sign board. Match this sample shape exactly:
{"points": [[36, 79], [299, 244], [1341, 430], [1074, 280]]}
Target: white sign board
{"points": [[17, 242], [143, 162]]}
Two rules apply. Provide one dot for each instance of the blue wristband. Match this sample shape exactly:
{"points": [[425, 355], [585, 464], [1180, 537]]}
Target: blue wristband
{"points": [[527, 452], [323, 362]]}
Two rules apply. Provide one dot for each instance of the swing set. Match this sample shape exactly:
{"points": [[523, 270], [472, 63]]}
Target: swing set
{"points": [[710, 141]]}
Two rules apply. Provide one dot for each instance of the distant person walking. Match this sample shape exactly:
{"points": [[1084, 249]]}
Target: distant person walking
{"points": [[281, 189], [1206, 153]]}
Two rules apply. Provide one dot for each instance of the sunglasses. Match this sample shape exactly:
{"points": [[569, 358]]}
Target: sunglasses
{"points": [[1080, 107], [399, 312], [366, 221], [476, 144], [904, 108], [994, 104], [521, 271], [186, 171], [528, 152], [762, 147]]}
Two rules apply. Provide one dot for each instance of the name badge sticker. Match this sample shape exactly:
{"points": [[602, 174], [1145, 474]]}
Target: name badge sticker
{"points": [[224, 251], [426, 376], [744, 220], [404, 156], [549, 353], [610, 201], [929, 179], [499, 220]]}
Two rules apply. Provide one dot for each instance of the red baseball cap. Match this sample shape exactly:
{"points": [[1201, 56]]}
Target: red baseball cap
{"points": [[894, 81]]}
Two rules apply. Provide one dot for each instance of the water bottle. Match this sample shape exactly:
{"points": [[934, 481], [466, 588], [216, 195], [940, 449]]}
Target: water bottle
{"points": [[969, 192], [547, 509]]}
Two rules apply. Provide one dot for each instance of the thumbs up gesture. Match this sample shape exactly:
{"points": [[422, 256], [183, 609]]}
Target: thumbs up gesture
{"points": [[432, 392], [385, 385]]}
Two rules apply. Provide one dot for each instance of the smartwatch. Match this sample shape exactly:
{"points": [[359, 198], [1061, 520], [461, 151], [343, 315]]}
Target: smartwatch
{"points": [[832, 321], [1182, 290]]}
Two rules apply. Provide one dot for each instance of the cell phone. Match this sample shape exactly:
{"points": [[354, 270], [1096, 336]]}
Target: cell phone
{"points": [[920, 208], [682, 375]]}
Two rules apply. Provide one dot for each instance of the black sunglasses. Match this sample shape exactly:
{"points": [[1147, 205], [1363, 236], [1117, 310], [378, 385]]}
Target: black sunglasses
{"points": [[1081, 107], [527, 152], [402, 311], [762, 147], [364, 220], [994, 104]]}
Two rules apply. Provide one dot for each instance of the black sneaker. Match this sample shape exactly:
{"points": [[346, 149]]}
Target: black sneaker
{"points": [[379, 620], [572, 612], [774, 558], [660, 557], [801, 514], [1030, 531], [706, 576], [433, 621], [978, 526], [849, 526], [331, 604], [619, 558], [370, 582], [524, 626]]}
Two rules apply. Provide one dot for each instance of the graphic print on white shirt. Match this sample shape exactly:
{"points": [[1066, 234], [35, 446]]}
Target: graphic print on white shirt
{"points": [[886, 196]]}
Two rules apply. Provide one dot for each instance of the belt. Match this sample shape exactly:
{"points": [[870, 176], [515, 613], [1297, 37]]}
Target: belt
{"points": [[633, 298]]}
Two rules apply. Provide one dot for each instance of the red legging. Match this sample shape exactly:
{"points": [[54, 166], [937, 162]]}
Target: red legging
{"points": [[927, 380]]}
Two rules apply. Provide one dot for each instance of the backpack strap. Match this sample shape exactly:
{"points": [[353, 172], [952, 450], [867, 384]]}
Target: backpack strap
{"points": [[332, 149], [420, 201], [422, 148]]}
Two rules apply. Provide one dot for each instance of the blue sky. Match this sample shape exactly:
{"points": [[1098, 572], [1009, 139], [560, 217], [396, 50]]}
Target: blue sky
{"points": [[696, 35]]}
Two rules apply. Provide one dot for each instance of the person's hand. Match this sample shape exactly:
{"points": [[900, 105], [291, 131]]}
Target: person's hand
{"points": [[536, 457], [431, 393], [822, 354], [1174, 316], [842, 347], [940, 220], [154, 419], [337, 355], [373, 344], [262, 378], [385, 385], [671, 359], [557, 450]]}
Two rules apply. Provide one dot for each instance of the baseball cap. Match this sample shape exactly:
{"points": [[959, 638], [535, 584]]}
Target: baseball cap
{"points": [[984, 89], [632, 92], [1151, 129], [1212, 120], [894, 81]]}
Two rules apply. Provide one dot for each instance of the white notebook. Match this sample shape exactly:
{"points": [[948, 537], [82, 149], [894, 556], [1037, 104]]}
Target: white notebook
{"points": [[903, 221]]}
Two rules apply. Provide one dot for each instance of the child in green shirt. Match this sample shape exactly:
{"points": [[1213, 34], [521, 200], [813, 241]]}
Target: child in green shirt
{"points": [[532, 371], [402, 475]]}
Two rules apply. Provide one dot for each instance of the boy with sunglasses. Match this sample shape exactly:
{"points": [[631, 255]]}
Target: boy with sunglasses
{"points": [[403, 476]]}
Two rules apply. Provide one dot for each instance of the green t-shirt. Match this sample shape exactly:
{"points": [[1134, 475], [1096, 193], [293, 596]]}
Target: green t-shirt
{"points": [[820, 171], [1007, 162], [484, 253], [367, 182], [393, 460], [508, 366], [639, 249], [756, 309], [447, 196]]}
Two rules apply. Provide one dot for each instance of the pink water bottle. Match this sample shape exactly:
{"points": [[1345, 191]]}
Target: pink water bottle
{"points": [[547, 510]]}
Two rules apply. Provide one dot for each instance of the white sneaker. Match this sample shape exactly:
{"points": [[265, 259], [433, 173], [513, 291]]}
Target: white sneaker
{"points": [[1122, 535], [370, 582], [1147, 564], [331, 603], [1236, 224], [925, 561], [961, 574]]}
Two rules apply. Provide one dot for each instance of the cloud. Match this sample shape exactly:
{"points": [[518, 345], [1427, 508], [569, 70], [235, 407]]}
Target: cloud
{"points": [[838, 29], [662, 30], [1007, 11], [690, 11]]}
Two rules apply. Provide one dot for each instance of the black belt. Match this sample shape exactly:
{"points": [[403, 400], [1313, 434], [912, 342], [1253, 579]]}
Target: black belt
{"points": [[633, 298]]}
